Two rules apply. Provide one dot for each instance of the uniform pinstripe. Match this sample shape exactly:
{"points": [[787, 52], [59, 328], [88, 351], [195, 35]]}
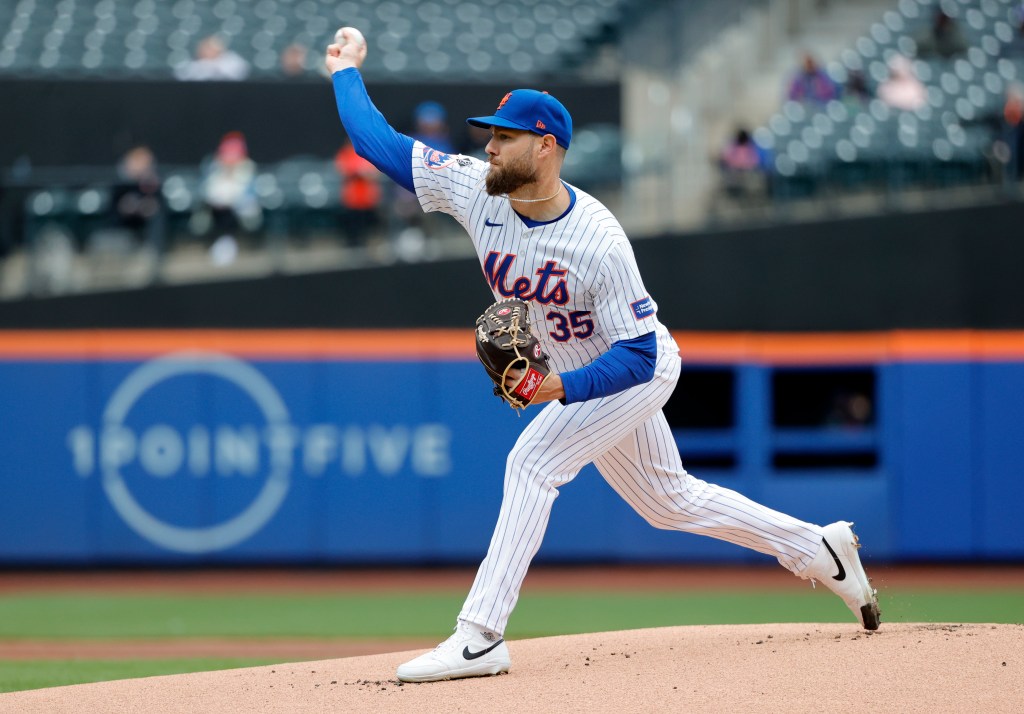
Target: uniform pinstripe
{"points": [[625, 434]]}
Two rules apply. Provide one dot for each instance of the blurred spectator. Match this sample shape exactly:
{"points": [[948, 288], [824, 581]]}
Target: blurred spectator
{"points": [[902, 90], [744, 166], [430, 126], [136, 195], [360, 194], [943, 38], [293, 60], [850, 409], [1009, 146], [812, 83], [213, 62], [229, 197], [856, 92]]}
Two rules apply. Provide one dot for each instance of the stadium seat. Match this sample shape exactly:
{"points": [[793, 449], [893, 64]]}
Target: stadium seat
{"points": [[147, 38], [944, 142]]}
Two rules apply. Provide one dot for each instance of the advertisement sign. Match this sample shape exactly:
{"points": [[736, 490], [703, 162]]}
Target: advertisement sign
{"points": [[200, 454]]}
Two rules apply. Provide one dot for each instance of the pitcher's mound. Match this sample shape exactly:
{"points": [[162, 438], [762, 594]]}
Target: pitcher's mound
{"points": [[788, 667]]}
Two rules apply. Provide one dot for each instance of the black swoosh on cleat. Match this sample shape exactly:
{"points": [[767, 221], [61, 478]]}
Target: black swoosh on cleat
{"points": [[473, 655], [842, 570]]}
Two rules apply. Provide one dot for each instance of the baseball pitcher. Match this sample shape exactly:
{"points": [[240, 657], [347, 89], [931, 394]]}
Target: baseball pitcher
{"points": [[602, 365]]}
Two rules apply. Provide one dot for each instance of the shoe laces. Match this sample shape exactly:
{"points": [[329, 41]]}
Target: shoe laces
{"points": [[461, 635]]}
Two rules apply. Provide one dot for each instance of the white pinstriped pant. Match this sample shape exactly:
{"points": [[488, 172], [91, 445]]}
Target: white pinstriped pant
{"points": [[626, 436]]}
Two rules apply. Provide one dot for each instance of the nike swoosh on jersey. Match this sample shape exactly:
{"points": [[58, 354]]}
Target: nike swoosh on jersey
{"points": [[487, 222], [473, 655]]}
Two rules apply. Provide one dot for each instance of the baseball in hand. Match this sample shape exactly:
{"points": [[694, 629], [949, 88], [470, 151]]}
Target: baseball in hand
{"points": [[354, 36]]}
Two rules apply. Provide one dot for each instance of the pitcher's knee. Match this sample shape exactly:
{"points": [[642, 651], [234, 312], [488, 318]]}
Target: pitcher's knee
{"points": [[525, 458], [670, 510], [666, 521], [524, 468]]}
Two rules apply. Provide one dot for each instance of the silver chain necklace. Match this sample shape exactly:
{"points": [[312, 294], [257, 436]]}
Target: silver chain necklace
{"points": [[532, 200]]}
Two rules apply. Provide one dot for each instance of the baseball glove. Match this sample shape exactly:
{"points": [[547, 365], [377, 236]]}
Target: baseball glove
{"points": [[504, 342]]}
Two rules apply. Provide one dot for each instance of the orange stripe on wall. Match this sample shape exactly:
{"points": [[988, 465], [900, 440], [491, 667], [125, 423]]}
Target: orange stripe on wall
{"points": [[253, 344], [852, 348], [453, 344]]}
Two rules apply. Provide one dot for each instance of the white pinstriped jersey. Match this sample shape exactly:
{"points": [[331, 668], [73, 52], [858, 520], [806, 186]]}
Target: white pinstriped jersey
{"points": [[578, 274]]}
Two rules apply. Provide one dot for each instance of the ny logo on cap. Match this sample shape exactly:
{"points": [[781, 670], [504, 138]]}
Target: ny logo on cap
{"points": [[503, 100]]}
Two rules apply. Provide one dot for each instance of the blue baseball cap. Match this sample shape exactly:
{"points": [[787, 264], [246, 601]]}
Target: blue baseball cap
{"points": [[430, 111], [530, 110]]}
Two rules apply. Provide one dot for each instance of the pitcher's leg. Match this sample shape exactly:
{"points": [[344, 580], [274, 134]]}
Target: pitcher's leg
{"points": [[549, 453], [646, 470], [534, 470], [522, 521]]}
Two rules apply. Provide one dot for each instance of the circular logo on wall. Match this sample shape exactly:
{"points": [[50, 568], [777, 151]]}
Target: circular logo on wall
{"points": [[252, 517]]}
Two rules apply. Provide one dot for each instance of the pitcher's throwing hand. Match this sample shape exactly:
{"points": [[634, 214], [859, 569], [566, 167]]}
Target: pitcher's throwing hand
{"points": [[349, 53]]}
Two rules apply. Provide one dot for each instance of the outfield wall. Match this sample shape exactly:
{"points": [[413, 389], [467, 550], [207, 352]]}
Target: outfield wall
{"points": [[356, 447]]}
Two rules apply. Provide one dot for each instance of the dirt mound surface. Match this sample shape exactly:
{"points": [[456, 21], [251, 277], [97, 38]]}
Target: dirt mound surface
{"points": [[903, 667]]}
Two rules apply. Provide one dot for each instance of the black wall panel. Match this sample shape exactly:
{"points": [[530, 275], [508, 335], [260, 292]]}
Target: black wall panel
{"points": [[948, 269]]}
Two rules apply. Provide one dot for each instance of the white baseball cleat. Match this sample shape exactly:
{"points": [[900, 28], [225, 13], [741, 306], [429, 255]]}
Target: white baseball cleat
{"points": [[837, 566], [469, 652]]}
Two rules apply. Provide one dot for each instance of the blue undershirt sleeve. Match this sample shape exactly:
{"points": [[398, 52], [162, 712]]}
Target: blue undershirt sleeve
{"points": [[627, 364], [373, 138]]}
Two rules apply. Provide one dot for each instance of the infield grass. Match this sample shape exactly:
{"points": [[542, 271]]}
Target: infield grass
{"points": [[381, 615], [391, 615], [36, 674]]}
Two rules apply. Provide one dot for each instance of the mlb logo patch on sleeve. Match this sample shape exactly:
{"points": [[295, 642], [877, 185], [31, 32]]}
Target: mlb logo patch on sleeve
{"points": [[643, 308]]}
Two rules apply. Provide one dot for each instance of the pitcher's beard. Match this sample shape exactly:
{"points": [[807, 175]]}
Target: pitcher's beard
{"points": [[511, 177]]}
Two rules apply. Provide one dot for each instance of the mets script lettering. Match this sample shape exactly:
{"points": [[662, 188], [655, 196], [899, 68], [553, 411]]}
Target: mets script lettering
{"points": [[550, 286]]}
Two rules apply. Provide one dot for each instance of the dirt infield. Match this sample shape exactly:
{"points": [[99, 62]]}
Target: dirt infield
{"points": [[791, 667]]}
